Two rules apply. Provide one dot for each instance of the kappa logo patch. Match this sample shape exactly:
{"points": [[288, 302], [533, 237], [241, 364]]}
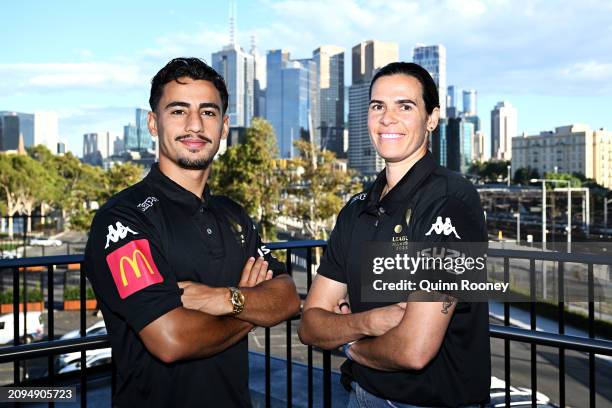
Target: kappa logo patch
{"points": [[133, 268], [445, 227], [118, 233]]}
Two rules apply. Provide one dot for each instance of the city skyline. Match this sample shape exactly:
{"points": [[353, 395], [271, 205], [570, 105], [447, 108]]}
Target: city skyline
{"points": [[94, 79]]}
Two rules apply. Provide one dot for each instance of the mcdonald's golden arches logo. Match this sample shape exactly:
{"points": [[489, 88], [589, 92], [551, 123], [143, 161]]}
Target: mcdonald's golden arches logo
{"points": [[133, 268]]}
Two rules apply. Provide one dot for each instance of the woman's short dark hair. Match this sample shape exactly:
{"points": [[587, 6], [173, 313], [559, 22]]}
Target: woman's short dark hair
{"points": [[430, 90], [193, 68]]}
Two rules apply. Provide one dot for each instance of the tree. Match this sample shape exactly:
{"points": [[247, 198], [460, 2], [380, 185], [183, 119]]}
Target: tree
{"points": [[117, 178], [247, 174], [492, 171], [317, 188], [24, 183], [524, 175]]}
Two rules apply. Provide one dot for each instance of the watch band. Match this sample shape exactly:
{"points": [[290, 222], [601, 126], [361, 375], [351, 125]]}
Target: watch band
{"points": [[237, 299]]}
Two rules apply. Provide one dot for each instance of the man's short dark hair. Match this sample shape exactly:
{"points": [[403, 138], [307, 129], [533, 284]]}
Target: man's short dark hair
{"points": [[193, 68], [430, 90]]}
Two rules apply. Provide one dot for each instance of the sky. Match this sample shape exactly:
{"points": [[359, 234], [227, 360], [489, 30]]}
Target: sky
{"points": [[92, 62]]}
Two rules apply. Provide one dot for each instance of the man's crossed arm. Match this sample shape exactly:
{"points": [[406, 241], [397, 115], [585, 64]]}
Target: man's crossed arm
{"points": [[204, 326], [396, 337]]}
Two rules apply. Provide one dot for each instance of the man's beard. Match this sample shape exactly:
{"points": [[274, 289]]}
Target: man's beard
{"points": [[201, 163]]}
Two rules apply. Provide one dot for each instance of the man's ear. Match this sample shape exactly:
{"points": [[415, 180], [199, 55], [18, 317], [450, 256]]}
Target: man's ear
{"points": [[226, 126], [152, 123]]}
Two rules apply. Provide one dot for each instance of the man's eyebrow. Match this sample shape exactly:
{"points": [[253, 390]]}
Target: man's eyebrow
{"points": [[376, 101], [203, 105], [177, 103], [210, 105], [400, 101]]}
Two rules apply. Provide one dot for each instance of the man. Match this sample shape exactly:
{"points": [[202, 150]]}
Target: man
{"points": [[174, 267], [415, 353]]}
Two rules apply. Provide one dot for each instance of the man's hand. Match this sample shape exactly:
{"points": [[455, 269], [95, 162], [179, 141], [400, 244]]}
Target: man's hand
{"points": [[214, 301], [382, 319], [254, 272], [343, 307]]}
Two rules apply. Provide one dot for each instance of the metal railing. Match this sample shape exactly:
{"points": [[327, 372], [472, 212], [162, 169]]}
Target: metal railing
{"points": [[561, 341]]}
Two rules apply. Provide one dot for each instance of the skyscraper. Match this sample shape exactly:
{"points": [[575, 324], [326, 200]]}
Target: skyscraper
{"points": [[367, 58], [438, 143], [452, 110], [504, 126], [259, 82], [237, 67], [329, 61], [14, 125], [145, 141], [130, 138], [460, 136], [469, 102], [433, 59], [46, 130], [291, 99], [96, 148]]}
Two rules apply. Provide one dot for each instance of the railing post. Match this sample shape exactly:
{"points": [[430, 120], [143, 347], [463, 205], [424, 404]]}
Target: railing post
{"points": [[50, 322], [533, 321], [591, 294], [308, 284], [82, 284], [506, 341], [16, 374], [561, 287], [289, 265]]}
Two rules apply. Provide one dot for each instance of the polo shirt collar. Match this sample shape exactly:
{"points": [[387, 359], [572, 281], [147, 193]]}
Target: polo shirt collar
{"points": [[403, 191], [176, 193]]}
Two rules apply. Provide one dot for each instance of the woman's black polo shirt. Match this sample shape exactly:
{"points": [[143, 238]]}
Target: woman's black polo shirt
{"points": [[460, 373], [142, 242]]}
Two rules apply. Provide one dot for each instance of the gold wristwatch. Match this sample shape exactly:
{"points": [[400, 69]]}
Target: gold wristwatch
{"points": [[237, 299]]}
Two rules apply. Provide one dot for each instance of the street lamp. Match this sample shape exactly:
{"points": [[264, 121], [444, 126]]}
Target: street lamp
{"points": [[569, 208], [517, 215], [509, 167]]}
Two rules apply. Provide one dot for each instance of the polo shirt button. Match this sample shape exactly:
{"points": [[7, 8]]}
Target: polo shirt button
{"points": [[209, 231], [381, 210], [201, 209]]}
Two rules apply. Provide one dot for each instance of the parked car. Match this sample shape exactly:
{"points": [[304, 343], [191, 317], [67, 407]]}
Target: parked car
{"points": [[519, 396], [99, 328], [103, 356], [33, 330], [46, 242]]}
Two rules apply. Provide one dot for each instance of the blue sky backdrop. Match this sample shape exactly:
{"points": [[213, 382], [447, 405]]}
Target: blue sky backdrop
{"points": [[92, 62]]}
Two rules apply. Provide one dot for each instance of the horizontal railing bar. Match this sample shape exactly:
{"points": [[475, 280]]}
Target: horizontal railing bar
{"points": [[45, 348], [296, 244], [492, 252], [42, 261], [551, 256], [555, 340]]}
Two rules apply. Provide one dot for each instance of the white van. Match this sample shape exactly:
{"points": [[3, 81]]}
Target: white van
{"points": [[35, 327]]}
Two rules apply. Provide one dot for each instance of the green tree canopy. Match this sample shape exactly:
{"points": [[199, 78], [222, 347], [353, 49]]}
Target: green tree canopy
{"points": [[492, 171], [317, 188], [247, 173]]}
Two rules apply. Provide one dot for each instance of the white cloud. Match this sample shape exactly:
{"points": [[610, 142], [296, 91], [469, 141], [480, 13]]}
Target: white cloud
{"points": [[91, 75]]}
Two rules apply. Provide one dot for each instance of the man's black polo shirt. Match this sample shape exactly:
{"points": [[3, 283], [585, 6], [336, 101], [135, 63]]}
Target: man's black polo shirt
{"points": [[142, 242], [460, 373]]}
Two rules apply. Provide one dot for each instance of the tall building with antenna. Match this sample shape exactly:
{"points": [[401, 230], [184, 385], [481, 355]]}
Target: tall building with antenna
{"points": [[259, 86], [238, 69]]}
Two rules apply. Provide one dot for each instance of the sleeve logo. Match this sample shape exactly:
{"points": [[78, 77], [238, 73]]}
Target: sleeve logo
{"points": [[133, 268], [445, 228], [148, 203], [115, 235]]}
